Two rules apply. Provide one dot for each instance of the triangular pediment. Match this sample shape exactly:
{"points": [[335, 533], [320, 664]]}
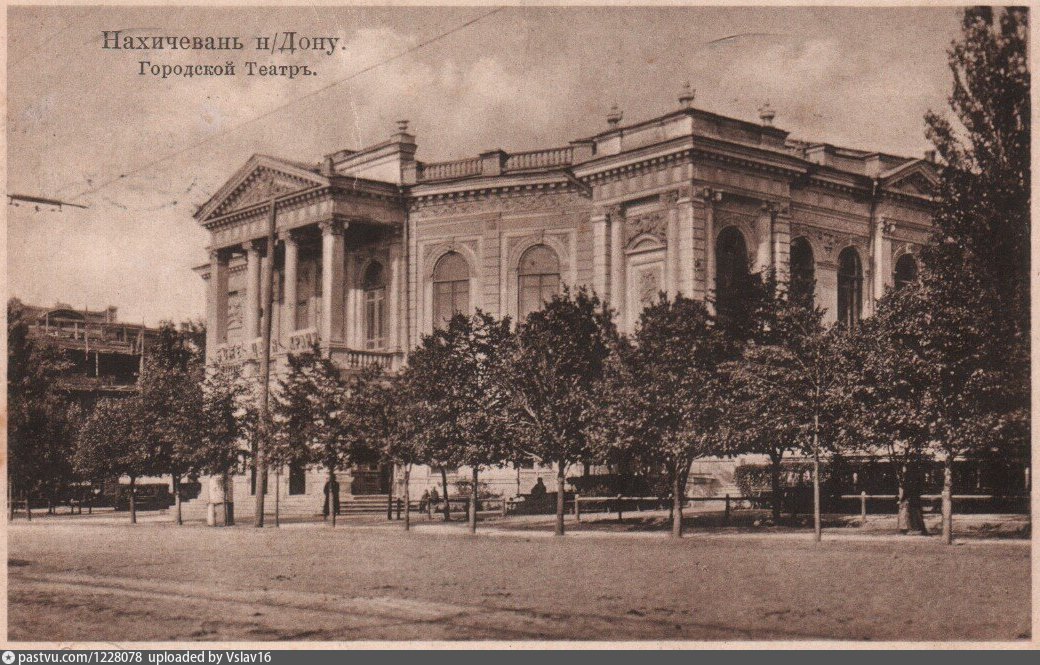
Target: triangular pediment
{"points": [[261, 178], [917, 178]]}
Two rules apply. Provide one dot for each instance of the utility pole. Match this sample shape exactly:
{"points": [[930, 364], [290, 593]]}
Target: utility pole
{"points": [[267, 298]]}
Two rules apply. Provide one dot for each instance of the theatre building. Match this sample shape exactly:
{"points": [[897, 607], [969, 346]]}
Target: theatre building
{"points": [[376, 248]]}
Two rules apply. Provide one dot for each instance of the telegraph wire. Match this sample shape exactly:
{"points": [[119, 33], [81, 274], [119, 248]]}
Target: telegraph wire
{"points": [[365, 70]]}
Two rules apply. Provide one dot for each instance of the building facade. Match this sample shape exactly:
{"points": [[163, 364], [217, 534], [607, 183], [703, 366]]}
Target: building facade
{"points": [[104, 355], [376, 248]]}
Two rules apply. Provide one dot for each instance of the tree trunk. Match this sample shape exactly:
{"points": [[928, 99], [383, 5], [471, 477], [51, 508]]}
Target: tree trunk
{"points": [[473, 495], [560, 482], [407, 498], [133, 502], [333, 496], [28, 507], [774, 485], [229, 518], [911, 515], [947, 501], [677, 503], [277, 498], [177, 499], [10, 502], [444, 485], [817, 521]]}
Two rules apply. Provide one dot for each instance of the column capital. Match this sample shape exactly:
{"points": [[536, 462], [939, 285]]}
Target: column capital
{"points": [[289, 236], [257, 245], [333, 227], [709, 194], [777, 209], [674, 196]]}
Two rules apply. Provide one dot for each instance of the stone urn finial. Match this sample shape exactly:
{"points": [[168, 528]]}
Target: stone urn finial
{"points": [[766, 114], [687, 96], [614, 117]]}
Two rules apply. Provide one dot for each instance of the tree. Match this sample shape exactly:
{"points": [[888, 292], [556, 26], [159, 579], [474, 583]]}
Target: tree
{"points": [[982, 223], [962, 391], [759, 420], [800, 364], [41, 416], [977, 269], [886, 411], [116, 441], [463, 405], [550, 377], [664, 393], [311, 405], [227, 420], [171, 389], [401, 404]]}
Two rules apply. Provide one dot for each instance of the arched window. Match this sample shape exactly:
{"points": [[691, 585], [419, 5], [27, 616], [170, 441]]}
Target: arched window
{"points": [[803, 271], [732, 277], [374, 286], [850, 287], [450, 288], [906, 270], [538, 280]]}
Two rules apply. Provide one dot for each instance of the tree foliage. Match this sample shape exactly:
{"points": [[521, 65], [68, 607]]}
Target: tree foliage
{"points": [[41, 416], [551, 377], [664, 396]]}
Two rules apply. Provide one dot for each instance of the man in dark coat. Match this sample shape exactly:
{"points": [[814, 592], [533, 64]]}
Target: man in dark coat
{"points": [[334, 490]]}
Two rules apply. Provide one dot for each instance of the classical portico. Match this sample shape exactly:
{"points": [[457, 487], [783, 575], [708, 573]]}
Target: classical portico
{"points": [[330, 229]]}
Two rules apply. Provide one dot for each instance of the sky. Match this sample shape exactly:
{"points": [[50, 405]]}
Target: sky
{"points": [[80, 116]]}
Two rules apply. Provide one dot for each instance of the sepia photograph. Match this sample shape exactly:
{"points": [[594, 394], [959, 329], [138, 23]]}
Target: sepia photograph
{"points": [[502, 326]]}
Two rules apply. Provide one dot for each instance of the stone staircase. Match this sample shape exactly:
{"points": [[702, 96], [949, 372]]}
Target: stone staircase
{"points": [[364, 504]]}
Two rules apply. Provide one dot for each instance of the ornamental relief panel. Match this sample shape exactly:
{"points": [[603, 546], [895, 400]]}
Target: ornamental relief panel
{"points": [[649, 285], [652, 223]]}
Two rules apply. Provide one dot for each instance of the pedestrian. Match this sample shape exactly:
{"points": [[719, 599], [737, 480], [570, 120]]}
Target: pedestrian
{"points": [[424, 501], [435, 499], [331, 487]]}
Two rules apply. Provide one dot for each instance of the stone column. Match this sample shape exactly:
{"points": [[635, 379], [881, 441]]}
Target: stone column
{"points": [[764, 230], [331, 324], [252, 302], [292, 262], [710, 198], [782, 243], [216, 303], [352, 333], [881, 271], [671, 254], [617, 261], [687, 256], [600, 255], [394, 321]]}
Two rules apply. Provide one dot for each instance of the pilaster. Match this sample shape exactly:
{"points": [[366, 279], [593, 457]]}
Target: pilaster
{"points": [[601, 255], [617, 260]]}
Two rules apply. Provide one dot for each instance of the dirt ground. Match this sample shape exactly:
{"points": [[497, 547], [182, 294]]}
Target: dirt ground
{"points": [[87, 580]]}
